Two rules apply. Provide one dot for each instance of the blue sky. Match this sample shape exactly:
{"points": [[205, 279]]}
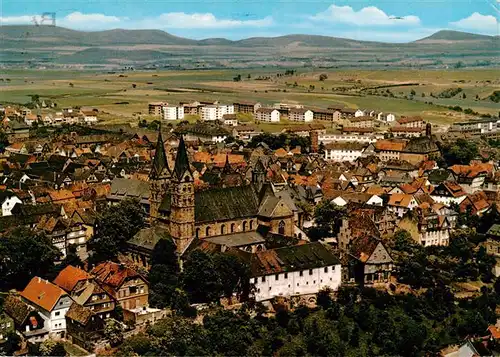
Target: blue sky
{"points": [[378, 20]]}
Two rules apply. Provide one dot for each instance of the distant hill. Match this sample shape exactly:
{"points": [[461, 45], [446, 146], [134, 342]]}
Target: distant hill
{"points": [[54, 46], [456, 36]]}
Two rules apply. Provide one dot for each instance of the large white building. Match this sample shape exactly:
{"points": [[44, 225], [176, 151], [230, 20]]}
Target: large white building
{"points": [[296, 270], [172, 112], [215, 112], [344, 151], [300, 115], [267, 114], [349, 138]]}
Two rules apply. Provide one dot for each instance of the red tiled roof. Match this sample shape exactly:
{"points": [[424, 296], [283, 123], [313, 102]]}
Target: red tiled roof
{"points": [[69, 277], [42, 293], [113, 274]]}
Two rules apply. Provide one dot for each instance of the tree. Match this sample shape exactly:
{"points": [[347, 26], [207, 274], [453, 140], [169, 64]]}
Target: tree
{"points": [[71, 258], [237, 78], [327, 218], [113, 331], [234, 275], [25, 254], [201, 279], [134, 85], [11, 344], [163, 276], [52, 348], [323, 76], [114, 227], [4, 140], [460, 152]]}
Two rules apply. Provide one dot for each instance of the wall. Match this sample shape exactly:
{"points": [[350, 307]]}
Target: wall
{"points": [[297, 282]]}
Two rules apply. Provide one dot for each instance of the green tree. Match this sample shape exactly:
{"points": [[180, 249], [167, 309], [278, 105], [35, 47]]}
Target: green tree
{"points": [[234, 275], [200, 278], [327, 218], [460, 152], [52, 348], [164, 273], [114, 227], [72, 258], [323, 76], [23, 255], [113, 331]]}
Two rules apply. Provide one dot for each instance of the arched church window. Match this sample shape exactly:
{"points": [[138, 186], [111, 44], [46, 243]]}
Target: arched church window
{"points": [[197, 233], [223, 229], [251, 225], [207, 231], [281, 227], [244, 226], [232, 227]]}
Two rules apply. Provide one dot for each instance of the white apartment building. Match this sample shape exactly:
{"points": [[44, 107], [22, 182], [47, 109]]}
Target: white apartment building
{"points": [[295, 270], [215, 112], [172, 112], [300, 115], [349, 138], [344, 151], [267, 114]]}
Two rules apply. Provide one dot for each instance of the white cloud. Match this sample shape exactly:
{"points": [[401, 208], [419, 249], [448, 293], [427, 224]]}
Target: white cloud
{"points": [[78, 20], [367, 16], [478, 22], [18, 20], [181, 20]]}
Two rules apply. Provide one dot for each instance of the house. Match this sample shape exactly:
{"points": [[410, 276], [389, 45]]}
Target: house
{"points": [[357, 130], [140, 247], [230, 119], [347, 113], [492, 243], [50, 301], [300, 115], [17, 131], [205, 132], [245, 132], [364, 121], [267, 114], [294, 270], [388, 118], [470, 177], [448, 192], [411, 122], [327, 115], [89, 117], [370, 139], [172, 112], [246, 107], [141, 317], [475, 203], [407, 132], [215, 111], [305, 129], [125, 285], [8, 200], [344, 151], [83, 327], [367, 261], [30, 323], [360, 113], [420, 149], [400, 203]]}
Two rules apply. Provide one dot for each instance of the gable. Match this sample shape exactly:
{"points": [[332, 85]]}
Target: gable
{"points": [[380, 255]]}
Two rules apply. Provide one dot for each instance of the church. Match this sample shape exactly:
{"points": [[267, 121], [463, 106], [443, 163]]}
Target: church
{"points": [[232, 217]]}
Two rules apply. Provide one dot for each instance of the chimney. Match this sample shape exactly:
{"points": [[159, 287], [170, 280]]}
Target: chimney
{"points": [[314, 135]]}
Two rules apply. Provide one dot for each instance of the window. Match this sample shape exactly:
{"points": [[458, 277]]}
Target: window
{"points": [[207, 231], [251, 225], [263, 279], [281, 228], [232, 227], [57, 313], [277, 277], [244, 226], [310, 272], [286, 275], [301, 273], [133, 290], [223, 229], [326, 269], [258, 290]]}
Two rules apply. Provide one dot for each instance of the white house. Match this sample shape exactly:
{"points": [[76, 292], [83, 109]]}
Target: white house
{"points": [[400, 203], [448, 192], [360, 113], [300, 115], [8, 200], [267, 114], [344, 151], [295, 270], [171, 112], [89, 117], [215, 112], [50, 301]]}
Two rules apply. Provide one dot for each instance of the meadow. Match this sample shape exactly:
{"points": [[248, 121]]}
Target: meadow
{"points": [[123, 96]]}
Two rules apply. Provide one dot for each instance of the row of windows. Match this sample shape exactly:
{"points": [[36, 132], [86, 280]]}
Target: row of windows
{"points": [[298, 284], [301, 273]]}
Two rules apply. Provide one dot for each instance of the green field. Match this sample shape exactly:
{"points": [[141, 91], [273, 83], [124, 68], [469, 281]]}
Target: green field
{"points": [[124, 96]]}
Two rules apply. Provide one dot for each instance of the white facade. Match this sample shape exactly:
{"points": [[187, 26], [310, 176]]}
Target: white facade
{"points": [[349, 138], [340, 155], [359, 113], [272, 116], [172, 112], [301, 116], [375, 201], [215, 112], [8, 204], [439, 237], [446, 200], [302, 282]]}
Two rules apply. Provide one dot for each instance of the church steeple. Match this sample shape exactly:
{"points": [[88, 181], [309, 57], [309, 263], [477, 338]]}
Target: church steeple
{"points": [[181, 160], [160, 163], [159, 179], [227, 166]]}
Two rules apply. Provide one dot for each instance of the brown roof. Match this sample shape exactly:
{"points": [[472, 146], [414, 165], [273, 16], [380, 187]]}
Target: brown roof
{"points": [[345, 146], [407, 120], [404, 129], [42, 293], [362, 247], [400, 199], [16, 308], [79, 313], [390, 145], [357, 130], [361, 119], [266, 110], [471, 171], [113, 274], [69, 277]]}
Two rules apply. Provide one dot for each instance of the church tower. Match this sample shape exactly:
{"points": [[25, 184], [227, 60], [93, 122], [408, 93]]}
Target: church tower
{"points": [[258, 175], [159, 179], [182, 217]]}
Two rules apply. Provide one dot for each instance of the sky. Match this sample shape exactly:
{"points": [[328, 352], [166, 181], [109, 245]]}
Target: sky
{"points": [[377, 20]]}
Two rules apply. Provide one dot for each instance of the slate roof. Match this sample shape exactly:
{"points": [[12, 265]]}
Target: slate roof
{"points": [[293, 258], [363, 247], [148, 237], [181, 160], [494, 230], [79, 313], [16, 308], [421, 145], [42, 293], [225, 203], [237, 239], [69, 277], [160, 163], [129, 187]]}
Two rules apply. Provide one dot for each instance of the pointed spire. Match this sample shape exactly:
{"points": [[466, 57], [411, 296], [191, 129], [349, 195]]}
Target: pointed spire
{"points": [[160, 162], [181, 160], [227, 166]]}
